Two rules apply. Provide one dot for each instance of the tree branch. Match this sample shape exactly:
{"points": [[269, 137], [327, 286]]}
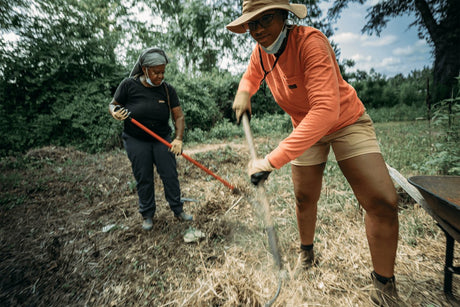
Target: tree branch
{"points": [[427, 19]]}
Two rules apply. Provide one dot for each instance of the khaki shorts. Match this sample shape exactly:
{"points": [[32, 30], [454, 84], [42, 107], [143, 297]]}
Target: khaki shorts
{"points": [[351, 141]]}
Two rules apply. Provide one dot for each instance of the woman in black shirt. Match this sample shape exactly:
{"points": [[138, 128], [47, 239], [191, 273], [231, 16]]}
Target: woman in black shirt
{"points": [[147, 98]]}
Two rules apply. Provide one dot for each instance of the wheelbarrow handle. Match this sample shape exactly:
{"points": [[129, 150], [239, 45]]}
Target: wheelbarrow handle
{"points": [[159, 138]]}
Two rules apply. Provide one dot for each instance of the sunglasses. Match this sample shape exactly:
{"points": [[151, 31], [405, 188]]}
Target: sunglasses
{"points": [[264, 21]]}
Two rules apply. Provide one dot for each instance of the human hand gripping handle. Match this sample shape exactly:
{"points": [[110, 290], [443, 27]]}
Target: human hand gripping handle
{"points": [[179, 125], [242, 105], [258, 169], [176, 147], [118, 111]]}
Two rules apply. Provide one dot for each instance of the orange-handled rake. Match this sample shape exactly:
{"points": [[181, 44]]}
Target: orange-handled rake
{"points": [[159, 138]]}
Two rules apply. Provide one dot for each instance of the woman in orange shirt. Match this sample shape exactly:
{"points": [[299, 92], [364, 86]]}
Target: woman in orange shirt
{"points": [[300, 68]]}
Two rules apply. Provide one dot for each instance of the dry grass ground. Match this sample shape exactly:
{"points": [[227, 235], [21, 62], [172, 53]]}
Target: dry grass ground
{"points": [[55, 250]]}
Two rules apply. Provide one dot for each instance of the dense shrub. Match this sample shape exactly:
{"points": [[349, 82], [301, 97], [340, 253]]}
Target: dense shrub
{"points": [[446, 122], [205, 100], [76, 117], [273, 125], [76, 113], [377, 91], [263, 103]]}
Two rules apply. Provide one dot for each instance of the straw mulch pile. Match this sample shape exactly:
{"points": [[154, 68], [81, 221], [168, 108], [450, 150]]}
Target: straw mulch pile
{"points": [[70, 235]]}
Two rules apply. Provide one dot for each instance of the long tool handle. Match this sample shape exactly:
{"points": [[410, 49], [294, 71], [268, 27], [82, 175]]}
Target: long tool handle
{"points": [[262, 197], [159, 138]]}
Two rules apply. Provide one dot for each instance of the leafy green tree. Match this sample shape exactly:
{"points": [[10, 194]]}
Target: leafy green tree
{"points": [[10, 18], [55, 79], [373, 90], [195, 32], [438, 21], [411, 90], [376, 90]]}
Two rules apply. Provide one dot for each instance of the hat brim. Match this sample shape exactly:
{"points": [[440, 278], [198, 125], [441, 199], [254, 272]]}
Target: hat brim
{"points": [[237, 26]]}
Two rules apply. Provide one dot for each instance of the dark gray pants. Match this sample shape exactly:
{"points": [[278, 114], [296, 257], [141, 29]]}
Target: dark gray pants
{"points": [[143, 156]]}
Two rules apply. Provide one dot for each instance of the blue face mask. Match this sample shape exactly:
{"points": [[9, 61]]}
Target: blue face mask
{"points": [[275, 47], [147, 79]]}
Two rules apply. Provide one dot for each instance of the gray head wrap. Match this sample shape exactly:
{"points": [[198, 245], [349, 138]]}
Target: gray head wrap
{"points": [[149, 57]]}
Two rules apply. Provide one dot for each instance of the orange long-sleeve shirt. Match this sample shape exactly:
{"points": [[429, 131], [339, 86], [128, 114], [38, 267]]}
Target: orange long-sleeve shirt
{"points": [[307, 84]]}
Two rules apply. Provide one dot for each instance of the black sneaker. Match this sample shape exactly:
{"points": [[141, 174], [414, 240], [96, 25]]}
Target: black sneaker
{"points": [[147, 224], [183, 217]]}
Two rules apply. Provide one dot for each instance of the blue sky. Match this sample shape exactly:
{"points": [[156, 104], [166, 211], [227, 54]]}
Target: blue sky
{"points": [[397, 50]]}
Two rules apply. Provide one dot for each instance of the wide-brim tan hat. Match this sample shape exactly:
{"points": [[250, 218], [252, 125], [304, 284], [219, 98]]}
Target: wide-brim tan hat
{"points": [[252, 8]]}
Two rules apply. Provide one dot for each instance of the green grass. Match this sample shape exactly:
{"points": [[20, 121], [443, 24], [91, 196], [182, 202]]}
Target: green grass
{"points": [[406, 146], [397, 113]]}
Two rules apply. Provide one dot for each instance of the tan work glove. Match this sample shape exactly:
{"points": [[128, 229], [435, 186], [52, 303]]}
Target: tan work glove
{"points": [[242, 104], [176, 147], [118, 112], [259, 170]]}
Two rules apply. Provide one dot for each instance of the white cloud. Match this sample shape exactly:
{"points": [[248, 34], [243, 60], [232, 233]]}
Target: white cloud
{"points": [[389, 62], [346, 37], [361, 58], [422, 43], [365, 40], [419, 47], [380, 41], [405, 51]]}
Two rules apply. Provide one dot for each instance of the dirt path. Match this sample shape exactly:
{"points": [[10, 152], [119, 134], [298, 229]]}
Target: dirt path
{"points": [[213, 147]]}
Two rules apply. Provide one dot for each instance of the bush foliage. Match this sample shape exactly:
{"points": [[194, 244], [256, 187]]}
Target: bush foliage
{"points": [[76, 113], [446, 122]]}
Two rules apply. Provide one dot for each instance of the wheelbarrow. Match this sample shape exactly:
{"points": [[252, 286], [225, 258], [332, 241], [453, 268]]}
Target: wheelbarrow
{"points": [[442, 202]]}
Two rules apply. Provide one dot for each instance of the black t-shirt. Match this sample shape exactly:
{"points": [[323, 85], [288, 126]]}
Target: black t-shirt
{"points": [[148, 105]]}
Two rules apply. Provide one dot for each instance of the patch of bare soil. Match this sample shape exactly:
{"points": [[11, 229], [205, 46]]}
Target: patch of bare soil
{"points": [[70, 235]]}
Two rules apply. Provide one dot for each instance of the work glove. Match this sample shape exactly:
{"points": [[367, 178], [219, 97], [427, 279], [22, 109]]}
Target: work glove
{"points": [[259, 170], [119, 113], [176, 147], [242, 104]]}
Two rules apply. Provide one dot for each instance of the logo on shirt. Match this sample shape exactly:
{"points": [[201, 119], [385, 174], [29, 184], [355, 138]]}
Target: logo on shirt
{"points": [[161, 101], [292, 86]]}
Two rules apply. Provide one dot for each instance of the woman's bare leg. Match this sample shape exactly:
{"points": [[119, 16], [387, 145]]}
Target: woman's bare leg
{"points": [[307, 188], [374, 189]]}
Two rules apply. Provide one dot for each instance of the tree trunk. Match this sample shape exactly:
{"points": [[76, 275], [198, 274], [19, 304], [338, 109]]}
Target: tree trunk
{"points": [[445, 36], [446, 67]]}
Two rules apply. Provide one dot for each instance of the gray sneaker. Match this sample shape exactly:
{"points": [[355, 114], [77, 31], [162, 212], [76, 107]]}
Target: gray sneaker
{"points": [[307, 259], [147, 224], [385, 295], [184, 217]]}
